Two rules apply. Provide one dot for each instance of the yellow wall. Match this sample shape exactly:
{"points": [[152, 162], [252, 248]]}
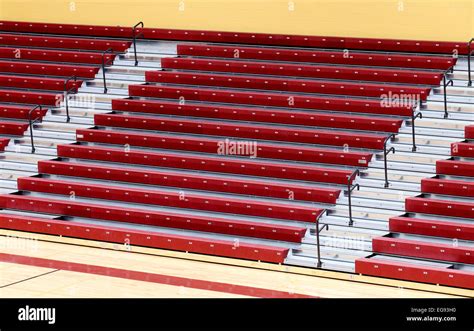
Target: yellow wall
{"points": [[404, 19]]}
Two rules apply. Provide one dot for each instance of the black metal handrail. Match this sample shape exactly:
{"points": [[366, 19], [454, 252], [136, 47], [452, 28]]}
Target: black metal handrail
{"points": [[135, 36], [104, 63], [31, 122], [318, 230], [413, 118], [445, 84], [385, 153], [350, 188], [469, 53], [66, 93]]}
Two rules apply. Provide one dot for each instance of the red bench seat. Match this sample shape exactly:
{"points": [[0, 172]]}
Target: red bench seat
{"points": [[145, 238], [63, 42], [413, 272], [448, 187], [304, 70], [440, 207], [48, 69], [435, 228], [423, 249], [294, 117], [196, 144], [204, 163], [34, 98], [288, 85], [149, 217], [290, 191], [20, 112], [469, 132], [41, 83], [53, 55], [13, 128], [455, 168], [241, 130], [334, 57], [173, 199], [270, 99], [462, 149], [3, 143]]}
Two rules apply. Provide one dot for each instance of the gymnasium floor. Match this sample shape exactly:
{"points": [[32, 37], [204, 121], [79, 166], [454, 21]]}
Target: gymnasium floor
{"points": [[40, 268]]}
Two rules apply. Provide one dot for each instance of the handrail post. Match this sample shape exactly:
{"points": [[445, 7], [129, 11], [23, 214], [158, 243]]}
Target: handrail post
{"points": [[135, 35], [104, 63], [413, 118], [469, 53], [350, 188], [66, 93], [318, 230], [385, 153], [31, 122], [445, 84]]}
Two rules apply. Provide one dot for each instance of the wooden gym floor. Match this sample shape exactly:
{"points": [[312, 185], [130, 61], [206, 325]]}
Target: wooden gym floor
{"points": [[46, 266]]}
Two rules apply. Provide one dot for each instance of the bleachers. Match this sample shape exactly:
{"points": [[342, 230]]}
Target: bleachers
{"points": [[191, 181], [205, 163], [63, 42], [193, 201], [269, 99], [282, 84], [144, 238], [438, 223], [37, 69], [152, 217], [151, 169], [303, 70], [204, 145], [263, 115], [333, 57], [417, 46], [241, 130], [47, 69]]}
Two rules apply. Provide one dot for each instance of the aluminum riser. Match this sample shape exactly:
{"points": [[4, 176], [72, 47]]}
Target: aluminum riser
{"points": [[434, 132], [41, 142], [14, 174], [27, 167], [153, 47], [8, 184], [363, 224], [455, 90], [334, 248], [439, 114], [326, 263], [461, 108], [111, 91]]}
